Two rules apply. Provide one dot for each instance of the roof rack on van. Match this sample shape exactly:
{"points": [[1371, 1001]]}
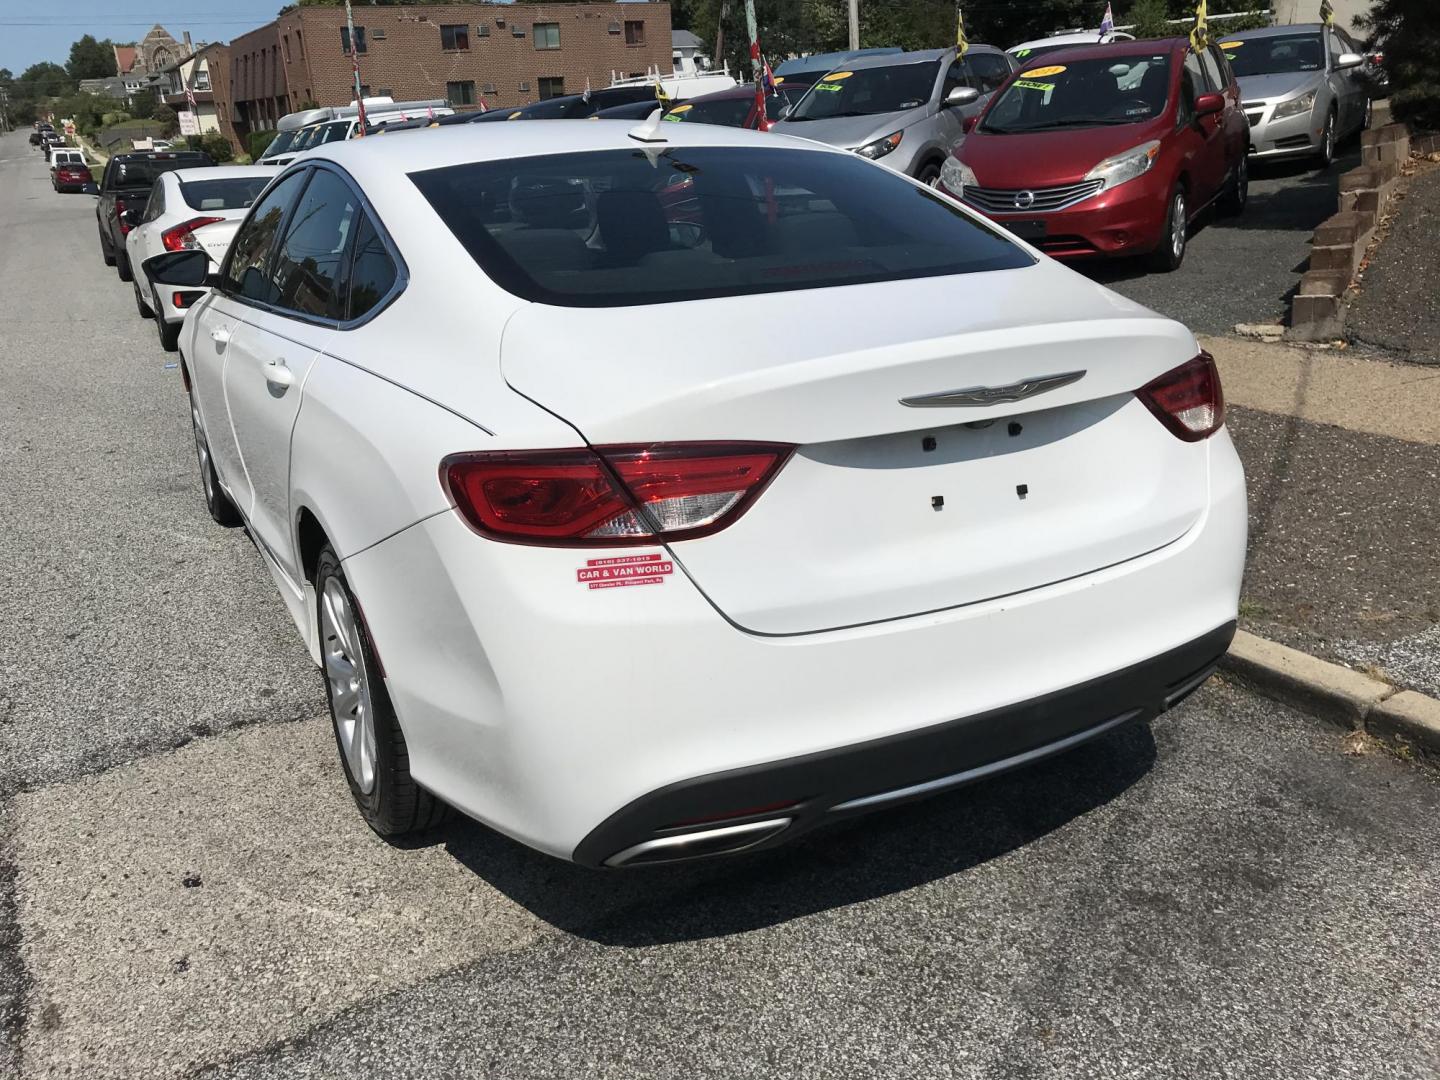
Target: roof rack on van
{"points": [[373, 106]]}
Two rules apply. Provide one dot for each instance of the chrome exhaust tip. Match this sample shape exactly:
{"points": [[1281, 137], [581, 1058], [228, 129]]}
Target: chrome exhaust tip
{"points": [[694, 845]]}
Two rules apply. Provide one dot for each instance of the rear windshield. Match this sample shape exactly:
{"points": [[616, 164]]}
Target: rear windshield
{"points": [[143, 173], [867, 91], [618, 227], [1082, 93], [1280, 55], [235, 193]]}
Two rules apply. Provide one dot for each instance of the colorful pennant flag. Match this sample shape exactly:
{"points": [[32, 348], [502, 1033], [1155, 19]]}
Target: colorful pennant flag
{"points": [[757, 65], [1327, 13], [1107, 24], [962, 43], [1200, 35]]}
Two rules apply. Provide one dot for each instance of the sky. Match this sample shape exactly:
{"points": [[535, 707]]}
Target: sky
{"points": [[36, 30]]}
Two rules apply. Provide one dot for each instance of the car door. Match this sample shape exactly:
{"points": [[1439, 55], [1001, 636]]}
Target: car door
{"points": [[950, 123], [220, 328], [1207, 165], [1351, 81], [283, 336]]}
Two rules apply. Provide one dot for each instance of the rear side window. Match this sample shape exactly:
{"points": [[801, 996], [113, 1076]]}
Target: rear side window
{"points": [[619, 227], [250, 250], [308, 263], [373, 273], [233, 194], [987, 71], [1214, 78]]}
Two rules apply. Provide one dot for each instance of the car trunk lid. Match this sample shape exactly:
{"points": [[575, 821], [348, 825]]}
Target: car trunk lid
{"points": [[886, 509]]}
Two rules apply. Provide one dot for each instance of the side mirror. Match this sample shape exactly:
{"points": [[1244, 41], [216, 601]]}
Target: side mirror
{"points": [[1206, 104], [190, 268], [969, 124], [961, 96], [130, 218], [1348, 60]]}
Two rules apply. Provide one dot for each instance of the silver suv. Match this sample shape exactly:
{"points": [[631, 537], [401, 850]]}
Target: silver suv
{"points": [[905, 110], [1302, 88]]}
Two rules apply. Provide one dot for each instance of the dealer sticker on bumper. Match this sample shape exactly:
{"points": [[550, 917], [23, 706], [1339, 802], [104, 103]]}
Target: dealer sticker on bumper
{"points": [[625, 570]]}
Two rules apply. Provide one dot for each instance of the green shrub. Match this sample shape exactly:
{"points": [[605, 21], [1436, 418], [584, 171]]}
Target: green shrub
{"points": [[1408, 31], [258, 141], [217, 146]]}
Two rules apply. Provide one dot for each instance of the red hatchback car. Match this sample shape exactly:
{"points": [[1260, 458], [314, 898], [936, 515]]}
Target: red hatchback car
{"points": [[68, 177], [1108, 150]]}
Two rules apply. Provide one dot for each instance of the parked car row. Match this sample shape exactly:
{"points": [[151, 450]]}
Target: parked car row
{"points": [[490, 404]]}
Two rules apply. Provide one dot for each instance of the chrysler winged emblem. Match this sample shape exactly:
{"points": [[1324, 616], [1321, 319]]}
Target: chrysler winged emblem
{"points": [[993, 395]]}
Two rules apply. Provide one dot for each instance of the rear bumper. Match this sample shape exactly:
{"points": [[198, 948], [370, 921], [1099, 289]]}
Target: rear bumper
{"points": [[886, 772], [1126, 220]]}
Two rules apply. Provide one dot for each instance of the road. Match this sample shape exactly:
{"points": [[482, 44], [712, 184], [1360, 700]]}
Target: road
{"points": [[186, 891]]}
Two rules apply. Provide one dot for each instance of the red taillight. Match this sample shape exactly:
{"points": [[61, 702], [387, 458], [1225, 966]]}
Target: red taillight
{"points": [[1188, 400], [613, 495], [179, 238], [119, 220]]}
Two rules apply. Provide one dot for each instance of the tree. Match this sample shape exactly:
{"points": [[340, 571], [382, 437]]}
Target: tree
{"points": [[1408, 31], [166, 115], [91, 59], [43, 80], [143, 105]]}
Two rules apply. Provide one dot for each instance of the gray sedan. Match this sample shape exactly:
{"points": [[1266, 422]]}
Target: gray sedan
{"points": [[1302, 88], [905, 110]]}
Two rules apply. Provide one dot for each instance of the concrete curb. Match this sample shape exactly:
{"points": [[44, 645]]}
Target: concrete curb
{"points": [[1354, 701]]}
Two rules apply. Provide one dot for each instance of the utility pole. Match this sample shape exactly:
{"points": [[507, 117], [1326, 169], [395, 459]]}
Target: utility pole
{"points": [[355, 66], [720, 31], [854, 24]]}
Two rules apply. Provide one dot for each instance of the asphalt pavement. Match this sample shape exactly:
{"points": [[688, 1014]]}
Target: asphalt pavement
{"points": [[1242, 269], [185, 889]]}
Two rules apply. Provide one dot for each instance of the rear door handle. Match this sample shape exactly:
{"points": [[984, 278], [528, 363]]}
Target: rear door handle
{"points": [[277, 374]]}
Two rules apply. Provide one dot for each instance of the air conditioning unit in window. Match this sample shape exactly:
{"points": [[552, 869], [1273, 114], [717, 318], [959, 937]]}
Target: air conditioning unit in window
{"points": [[524, 88], [377, 34], [614, 26], [482, 30], [517, 31], [488, 88]]}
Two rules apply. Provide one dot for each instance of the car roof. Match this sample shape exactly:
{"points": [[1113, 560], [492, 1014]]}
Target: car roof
{"points": [[161, 155], [918, 56], [223, 172], [1114, 49], [383, 159], [1080, 37], [1273, 31], [827, 61]]}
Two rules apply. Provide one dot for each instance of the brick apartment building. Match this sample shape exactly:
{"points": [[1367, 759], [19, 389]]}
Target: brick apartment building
{"points": [[503, 54]]}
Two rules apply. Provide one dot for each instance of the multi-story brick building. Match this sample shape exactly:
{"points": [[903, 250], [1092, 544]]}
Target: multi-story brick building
{"points": [[259, 94], [505, 54]]}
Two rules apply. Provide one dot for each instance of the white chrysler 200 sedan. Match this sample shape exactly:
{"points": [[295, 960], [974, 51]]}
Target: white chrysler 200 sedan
{"points": [[648, 493]]}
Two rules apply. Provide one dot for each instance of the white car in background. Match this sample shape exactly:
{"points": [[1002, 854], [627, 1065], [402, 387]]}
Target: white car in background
{"points": [[884, 525], [1027, 51], [189, 210]]}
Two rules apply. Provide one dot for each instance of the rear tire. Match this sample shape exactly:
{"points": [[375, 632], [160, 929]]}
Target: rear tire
{"points": [[122, 266], [106, 251], [1235, 198], [216, 501], [1175, 239], [143, 311], [372, 748]]}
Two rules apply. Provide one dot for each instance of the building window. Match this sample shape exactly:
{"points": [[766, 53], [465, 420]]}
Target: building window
{"points": [[547, 35], [460, 93], [455, 38], [483, 30], [385, 91], [202, 79], [634, 32], [300, 44], [285, 40], [345, 39], [551, 86]]}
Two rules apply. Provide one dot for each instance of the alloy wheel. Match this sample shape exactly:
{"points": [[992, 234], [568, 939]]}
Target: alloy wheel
{"points": [[351, 704], [1177, 226]]}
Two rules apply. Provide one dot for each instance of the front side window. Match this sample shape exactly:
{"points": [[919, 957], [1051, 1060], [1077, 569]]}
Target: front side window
{"points": [[1082, 93], [868, 91], [1214, 80], [455, 38], [551, 87], [620, 227], [1281, 54], [372, 274], [460, 93], [244, 274], [308, 263], [547, 35]]}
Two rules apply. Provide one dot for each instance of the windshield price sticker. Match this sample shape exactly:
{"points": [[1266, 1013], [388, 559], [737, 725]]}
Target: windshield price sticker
{"points": [[1041, 72], [836, 76], [624, 570], [1026, 84], [1231, 44], [829, 87]]}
